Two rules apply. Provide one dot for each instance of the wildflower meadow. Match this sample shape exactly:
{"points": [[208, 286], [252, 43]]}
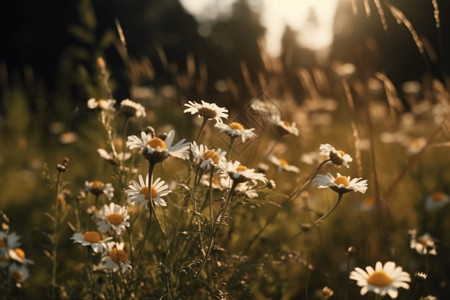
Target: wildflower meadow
{"points": [[250, 192]]}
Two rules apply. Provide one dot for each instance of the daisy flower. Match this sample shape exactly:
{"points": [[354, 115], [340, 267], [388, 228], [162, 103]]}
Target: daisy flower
{"points": [[382, 280], [97, 188], [18, 274], [116, 259], [8, 241], [216, 182], [436, 200], [132, 109], [101, 104], [265, 108], [240, 173], [113, 216], [282, 164], [92, 239], [283, 127], [18, 255], [138, 192], [208, 157], [416, 145], [337, 157], [424, 244], [313, 158], [340, 184], [236, 129], [209, 111], [157, 150]]}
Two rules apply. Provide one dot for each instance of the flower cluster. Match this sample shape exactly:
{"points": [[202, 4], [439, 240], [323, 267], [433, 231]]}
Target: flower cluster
{"points": [[13, 260]]}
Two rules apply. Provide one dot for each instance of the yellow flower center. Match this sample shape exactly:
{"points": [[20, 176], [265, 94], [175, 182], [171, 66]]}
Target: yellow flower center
{"points": [[157, 142], [216, 181], [96, 185], [16, 276], [241, 168], [101, 103], [210, 154], [437, 196], [287, 124], [92, 237], [236, 126], [342, 180], [118, 256], [341, 153], [379, 278], [20, 253], [283, 162], [115, 219], [144, 191]]}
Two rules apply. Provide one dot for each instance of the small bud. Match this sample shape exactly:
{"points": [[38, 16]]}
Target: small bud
{"points": [[351, 250], [62, 167], [305, 227], [327, 292], [421, 276]]}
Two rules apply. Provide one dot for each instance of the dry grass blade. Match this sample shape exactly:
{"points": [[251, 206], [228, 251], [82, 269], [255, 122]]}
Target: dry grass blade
{"points": [[381, 14], [436, 13], [401, 19], [395, 105], [367, 8]]}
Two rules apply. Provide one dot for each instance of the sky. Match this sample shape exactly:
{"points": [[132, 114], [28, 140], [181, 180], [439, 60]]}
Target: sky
{"points": [[312, 19]]}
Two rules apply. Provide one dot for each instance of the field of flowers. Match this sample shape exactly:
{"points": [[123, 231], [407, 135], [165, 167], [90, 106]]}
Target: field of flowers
{"points": [[342, 195]]}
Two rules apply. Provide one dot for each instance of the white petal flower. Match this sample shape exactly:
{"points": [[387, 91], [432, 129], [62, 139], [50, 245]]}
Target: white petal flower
{"points": [[97, 188], [156, 150], [282, 164], [18, 274], [18, 255], [101, 104], [283, 127], [236, 129], [138, 192], [338, 157], [113, 216], [424, 244], [382, 280], [436, 200], [110, 157], [92, 239], [207, 110], [340, 184], [8, 241], [240, 173], [208, 158], [132, 109], [116, 259]]}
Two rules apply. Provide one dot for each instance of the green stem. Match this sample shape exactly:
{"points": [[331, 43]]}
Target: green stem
{"points": [[150, 208], [293, 195], [230, 146], [318, 221], [220, 217], [55, 237], [205, 119]]}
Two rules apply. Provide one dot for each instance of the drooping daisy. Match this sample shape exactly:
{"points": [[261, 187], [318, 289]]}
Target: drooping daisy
{"points": [[92, 239], [340, 184], [97, 188], [208, 158], [216, 182], [110, 157], [424, 244], [132, 109], [382, 280], [18, 255], [282, 164], [101, 104], [283, 127], [113, 216], [265, 108], [239, 173], [436, 200], [138, 194], [156, 150], [116, 259], [247, 189], [236, 129], [18, 274], [337, 157], [209, 111]]}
